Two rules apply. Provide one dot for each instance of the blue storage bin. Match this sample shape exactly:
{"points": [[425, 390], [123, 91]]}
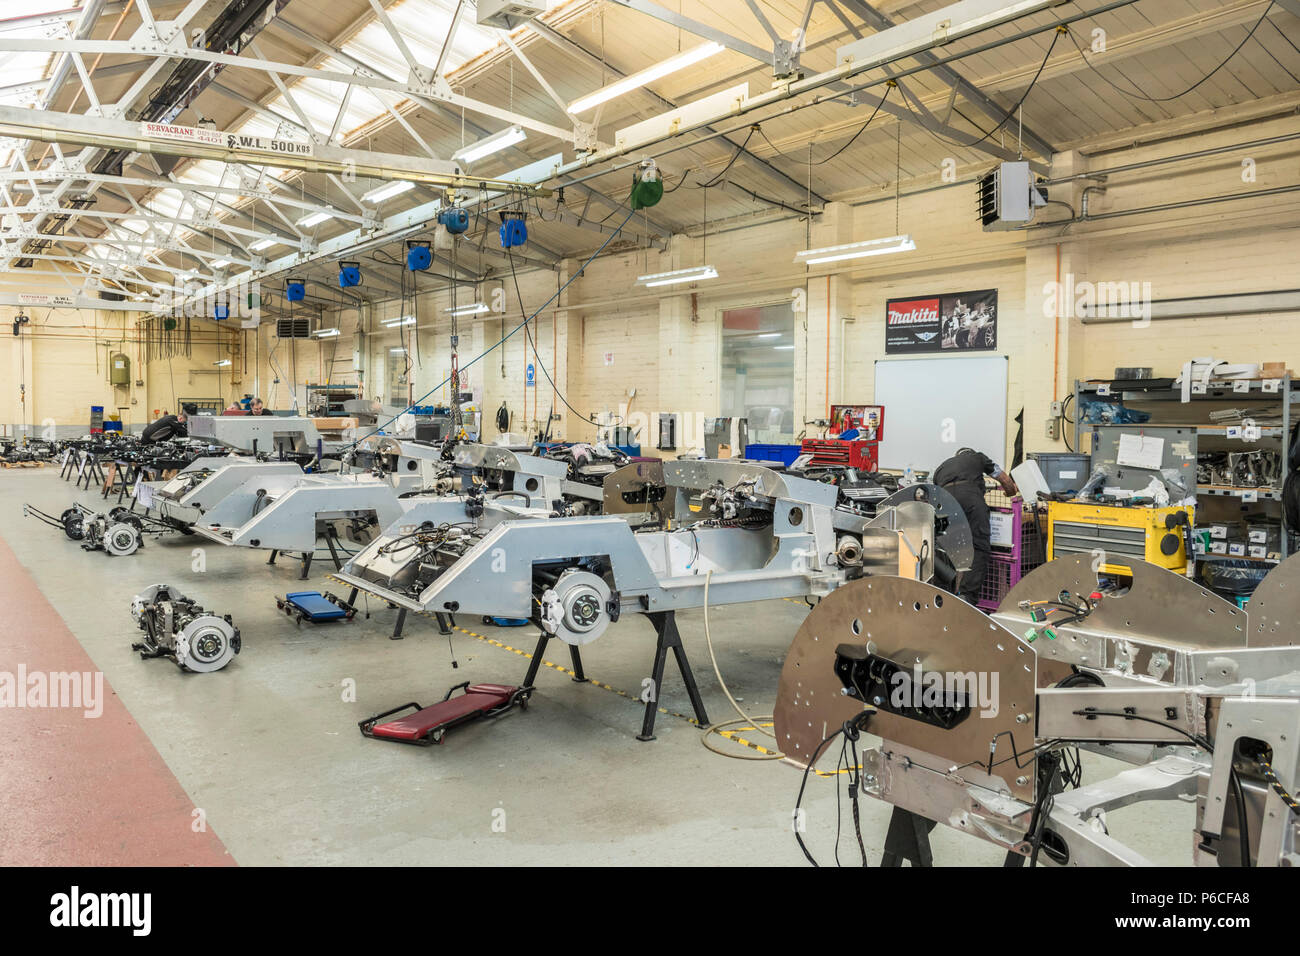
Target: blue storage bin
{"points": [[785, 454]]}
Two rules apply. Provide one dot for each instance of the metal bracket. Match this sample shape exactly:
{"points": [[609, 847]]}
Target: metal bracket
{"points": [[785, 60]]}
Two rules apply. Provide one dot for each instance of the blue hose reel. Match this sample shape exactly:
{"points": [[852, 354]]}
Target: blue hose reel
{"points": [[418, 256], [514, 232], [455, 219], [349, 274]]}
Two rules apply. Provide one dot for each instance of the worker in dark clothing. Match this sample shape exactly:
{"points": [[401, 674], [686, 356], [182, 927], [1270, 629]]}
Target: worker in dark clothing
{"points": [[962, 476], [167, 427], [259, 409]]}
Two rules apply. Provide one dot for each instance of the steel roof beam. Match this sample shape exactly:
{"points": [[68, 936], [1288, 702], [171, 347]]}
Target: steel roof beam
{"points": [[981, 100], [761, 165]]}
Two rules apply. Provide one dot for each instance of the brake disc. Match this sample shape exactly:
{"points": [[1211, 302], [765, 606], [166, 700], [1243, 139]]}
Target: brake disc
{"points": [[122, 539]]}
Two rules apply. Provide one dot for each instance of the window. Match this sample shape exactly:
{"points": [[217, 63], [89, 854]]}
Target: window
{"points": [[758, 371]]}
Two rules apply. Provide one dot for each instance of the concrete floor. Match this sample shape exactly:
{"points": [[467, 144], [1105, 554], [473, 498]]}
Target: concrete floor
{"points": [[269, 749]]}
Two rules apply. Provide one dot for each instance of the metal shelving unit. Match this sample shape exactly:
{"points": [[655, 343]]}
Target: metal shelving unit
{"points": [[1247, 393]]}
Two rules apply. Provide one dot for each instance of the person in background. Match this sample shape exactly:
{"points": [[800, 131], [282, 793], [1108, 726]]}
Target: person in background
{"points": [[962, 476], [167, 427], [258, 408]]}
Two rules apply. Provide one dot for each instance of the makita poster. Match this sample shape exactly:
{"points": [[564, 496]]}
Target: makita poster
{"points": [[961, 322]]}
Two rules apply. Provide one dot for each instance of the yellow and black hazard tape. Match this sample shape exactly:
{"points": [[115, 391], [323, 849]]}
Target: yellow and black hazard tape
{"points": [[732, 735]]}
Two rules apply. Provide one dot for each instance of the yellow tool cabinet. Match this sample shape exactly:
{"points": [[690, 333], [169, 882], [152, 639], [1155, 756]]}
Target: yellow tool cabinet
{"points": [[1075, 527]]}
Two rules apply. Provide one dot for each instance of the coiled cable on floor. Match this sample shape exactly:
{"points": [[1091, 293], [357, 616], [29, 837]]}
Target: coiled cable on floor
{"points": [[744, 718]]}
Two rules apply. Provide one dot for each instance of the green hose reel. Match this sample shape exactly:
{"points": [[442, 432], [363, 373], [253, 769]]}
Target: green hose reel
{"points": [[647, 186]]}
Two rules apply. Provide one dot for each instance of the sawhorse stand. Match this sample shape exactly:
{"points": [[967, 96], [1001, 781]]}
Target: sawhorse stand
{"points": [[665, 625], [579, 675], [908, 838], [306, 563]]}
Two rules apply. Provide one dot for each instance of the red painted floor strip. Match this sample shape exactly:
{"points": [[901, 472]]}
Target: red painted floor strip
{"points": [[76, 790]]}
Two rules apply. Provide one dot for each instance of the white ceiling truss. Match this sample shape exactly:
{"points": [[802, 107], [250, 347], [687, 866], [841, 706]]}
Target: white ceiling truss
{"points": [[304, 109]]}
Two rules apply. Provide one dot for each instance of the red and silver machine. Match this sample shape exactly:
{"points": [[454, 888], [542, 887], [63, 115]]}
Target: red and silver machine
{"points": [[860, 452]]}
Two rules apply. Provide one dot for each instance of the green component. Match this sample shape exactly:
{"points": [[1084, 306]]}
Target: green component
{"points": [[1051, 634], [646, 193], [1031, 635], [169, 325]]}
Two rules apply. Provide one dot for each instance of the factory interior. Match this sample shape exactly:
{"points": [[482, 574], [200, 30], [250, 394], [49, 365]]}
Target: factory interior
{"points": [[853, 432]]}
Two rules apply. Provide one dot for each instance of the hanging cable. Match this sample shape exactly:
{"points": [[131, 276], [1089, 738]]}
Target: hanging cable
{"points": [[528, 335], [579, 271], [1010, 113], [1137, 93], [731, 162], [861, 129]]}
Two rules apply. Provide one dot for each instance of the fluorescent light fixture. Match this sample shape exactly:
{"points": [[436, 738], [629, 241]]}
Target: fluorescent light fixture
{"points": [[222, 363], [314, 219], [264, 244], [219, 264], [387, 191], [394, 323], [474, 309], [490, 144], [645, 77], [769, 335], [783, 348], [397, 350], [855, 250], [694, 274], [325, 333]]}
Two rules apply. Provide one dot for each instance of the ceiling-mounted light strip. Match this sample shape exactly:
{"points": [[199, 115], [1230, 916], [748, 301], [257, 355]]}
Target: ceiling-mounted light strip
{"points": [[474, 309], [219, 264], [387, 191], [222, 363], [264, 244], [314, 219], [694, 274], [325, 333], [394, 323], [855, 250], [490, 144], [645, 77]]}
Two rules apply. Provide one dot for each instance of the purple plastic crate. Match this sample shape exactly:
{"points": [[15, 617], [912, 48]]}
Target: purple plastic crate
{"points": [[1008, 565]]}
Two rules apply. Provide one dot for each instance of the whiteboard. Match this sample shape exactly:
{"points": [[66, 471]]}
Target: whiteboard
{"points": [[935, 406]]}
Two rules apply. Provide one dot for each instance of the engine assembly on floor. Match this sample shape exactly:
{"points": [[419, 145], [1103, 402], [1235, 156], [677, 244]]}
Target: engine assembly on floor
{"points": [[181, 630], [120, 532], [981, 719]]}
